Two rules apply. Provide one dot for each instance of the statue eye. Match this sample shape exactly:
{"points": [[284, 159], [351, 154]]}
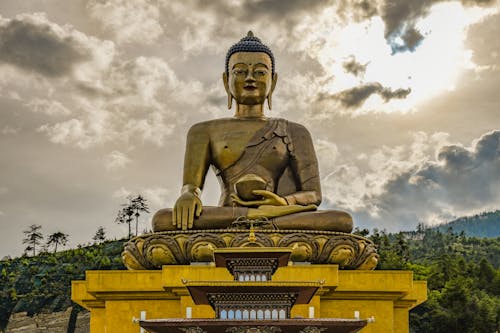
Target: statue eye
{"points": [[260, 72], [238, 72]]}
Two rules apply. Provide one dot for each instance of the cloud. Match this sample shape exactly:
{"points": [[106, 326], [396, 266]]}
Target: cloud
{"points": [[355, 97], [251, 10], [411, 38], [157, 197], [121, 193], [48, 107], [152, 129], [33, 43], [132, 101], [73, 131], [354, 67], [358, 10], [401, 17], [7, 130], [129, 21], [482, 38], [430, 181], [116, 160]]}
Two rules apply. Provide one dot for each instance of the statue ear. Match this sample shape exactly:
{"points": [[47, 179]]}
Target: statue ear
{"points": [[273, 85], [226, 86]]}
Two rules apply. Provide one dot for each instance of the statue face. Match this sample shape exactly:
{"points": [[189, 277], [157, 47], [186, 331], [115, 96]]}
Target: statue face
{"points": [[250, 78]]}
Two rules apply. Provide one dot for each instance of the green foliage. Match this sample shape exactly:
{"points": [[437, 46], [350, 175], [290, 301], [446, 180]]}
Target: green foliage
{"points": [[100, 235], [462, 273], [480, 225], [43, 283], [57, 238]]}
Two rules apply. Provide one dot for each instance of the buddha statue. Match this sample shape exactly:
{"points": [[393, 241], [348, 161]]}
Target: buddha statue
{"points": [[267, 167]]}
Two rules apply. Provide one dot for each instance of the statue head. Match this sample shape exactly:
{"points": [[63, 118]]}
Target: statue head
{"points": [[249, 75]]}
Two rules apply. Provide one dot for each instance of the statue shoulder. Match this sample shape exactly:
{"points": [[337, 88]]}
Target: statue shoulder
{"points": [[207, 126], [295, 129]]}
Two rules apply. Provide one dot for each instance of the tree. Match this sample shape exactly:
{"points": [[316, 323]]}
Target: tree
{"points": [[33, 238], [132, 209], [125, 216], [138, 204], [100, 235], [57, 238]]}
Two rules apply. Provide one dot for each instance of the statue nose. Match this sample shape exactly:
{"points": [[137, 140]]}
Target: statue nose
{"points": [[250, 77]]}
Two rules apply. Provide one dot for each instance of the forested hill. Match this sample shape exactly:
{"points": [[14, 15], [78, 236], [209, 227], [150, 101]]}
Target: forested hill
{"points": [[42, 283], [481, 225]]}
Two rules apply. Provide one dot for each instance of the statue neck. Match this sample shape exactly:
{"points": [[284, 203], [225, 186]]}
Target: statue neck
{"points": [[249, 111]]}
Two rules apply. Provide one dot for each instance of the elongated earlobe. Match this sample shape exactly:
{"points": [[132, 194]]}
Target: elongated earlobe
{"points": [[269, 96], [226, 86]]}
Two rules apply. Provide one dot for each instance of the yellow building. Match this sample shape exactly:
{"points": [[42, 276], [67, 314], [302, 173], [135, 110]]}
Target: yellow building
{"points": [[116, 299]]}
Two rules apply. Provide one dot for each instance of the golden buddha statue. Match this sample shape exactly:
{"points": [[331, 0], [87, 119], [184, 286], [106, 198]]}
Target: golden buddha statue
{"points": [[267, 167]]}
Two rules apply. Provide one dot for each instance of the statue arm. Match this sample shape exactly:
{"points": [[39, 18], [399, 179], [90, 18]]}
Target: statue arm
{"points": [[304, 165], [197, 157], [196, 162]]}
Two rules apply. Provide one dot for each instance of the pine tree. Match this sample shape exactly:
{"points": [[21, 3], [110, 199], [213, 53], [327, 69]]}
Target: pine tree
{"points": [[138, 204], [100, 235], [132, 209], [57, 238], [33, 238]]}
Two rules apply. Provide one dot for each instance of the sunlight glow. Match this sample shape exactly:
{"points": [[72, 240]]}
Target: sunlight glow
{"points": [[434, 67]]}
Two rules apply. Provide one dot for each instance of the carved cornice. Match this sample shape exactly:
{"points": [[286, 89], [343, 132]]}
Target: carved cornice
{"points": [[182, 247]]}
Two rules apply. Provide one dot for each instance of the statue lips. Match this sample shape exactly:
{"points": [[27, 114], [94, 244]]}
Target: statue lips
{"points": [[249, 87]]}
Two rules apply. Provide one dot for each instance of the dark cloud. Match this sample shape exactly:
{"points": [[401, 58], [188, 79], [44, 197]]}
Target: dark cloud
{"points": [[358, 10], [355, 97], [252, 10], [411, 39], [354, 67], [462, 180], [33, 44], [400, 17]]}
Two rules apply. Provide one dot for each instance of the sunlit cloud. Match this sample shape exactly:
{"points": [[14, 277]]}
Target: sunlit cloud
{"points": [[434, 66], [116, 160], [129, 21]]}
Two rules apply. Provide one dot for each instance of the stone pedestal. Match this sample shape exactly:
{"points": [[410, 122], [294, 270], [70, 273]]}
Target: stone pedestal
{"points": [[116, 298]]}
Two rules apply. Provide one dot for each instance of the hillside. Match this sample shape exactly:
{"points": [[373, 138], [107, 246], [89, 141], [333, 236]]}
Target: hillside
{"points": [[42, 284], [481, 225]]}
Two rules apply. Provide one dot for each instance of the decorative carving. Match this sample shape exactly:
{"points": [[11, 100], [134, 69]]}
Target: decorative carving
{"points": [[200, 247], [158, 249], [303, 245], [253, 329], [252, 266], [152, 251], [261, 240]]}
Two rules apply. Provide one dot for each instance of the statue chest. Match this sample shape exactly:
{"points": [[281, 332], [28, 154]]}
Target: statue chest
{"points": [[270, 154]]}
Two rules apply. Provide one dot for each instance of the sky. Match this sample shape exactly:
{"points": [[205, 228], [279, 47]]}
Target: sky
{"points": [[96, 97]]}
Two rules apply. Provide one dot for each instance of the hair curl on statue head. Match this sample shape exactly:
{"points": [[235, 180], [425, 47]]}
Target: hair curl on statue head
{"points": [[249, 43]]}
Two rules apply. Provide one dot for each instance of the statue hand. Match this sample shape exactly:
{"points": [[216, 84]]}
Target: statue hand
{"points": [[268, 198], [186, 208]]}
